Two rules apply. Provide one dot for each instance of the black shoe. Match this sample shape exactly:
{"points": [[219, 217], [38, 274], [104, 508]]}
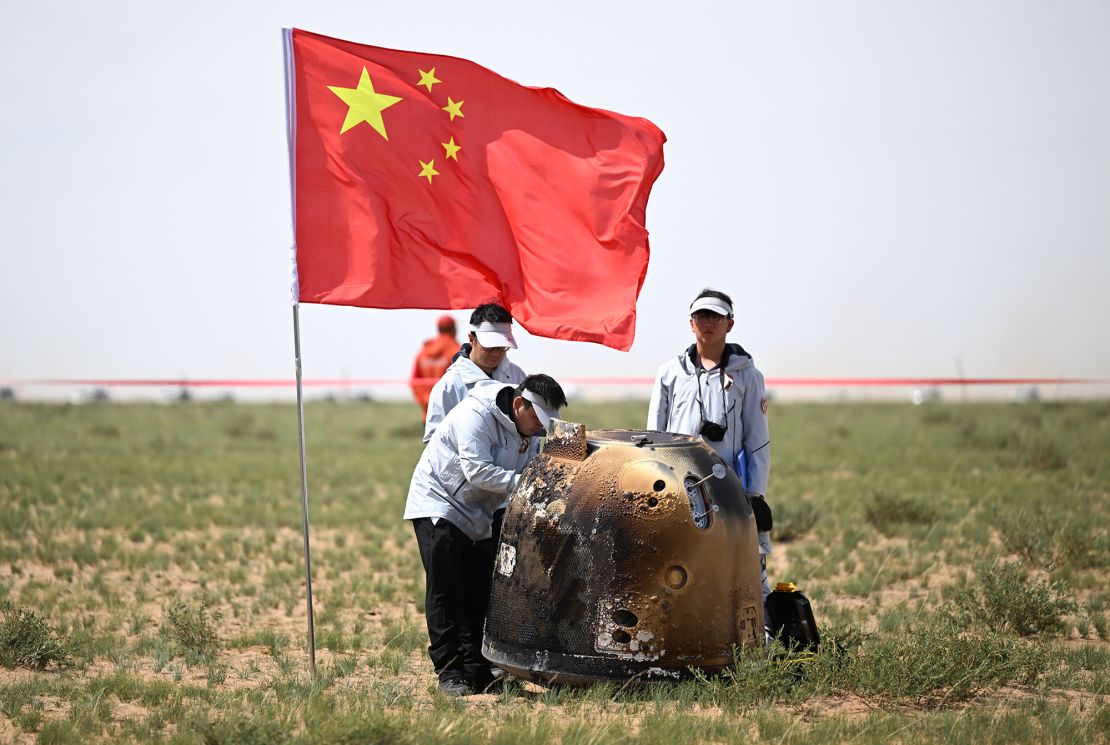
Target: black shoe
{"points": [[454, 686], [488, 680], [490, 685]]}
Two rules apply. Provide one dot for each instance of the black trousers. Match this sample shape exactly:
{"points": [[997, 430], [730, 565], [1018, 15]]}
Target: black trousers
{"points": [[457, 572]]}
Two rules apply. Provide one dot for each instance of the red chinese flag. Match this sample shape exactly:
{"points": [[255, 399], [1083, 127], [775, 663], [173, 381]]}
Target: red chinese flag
{"points": [[423, 181]]}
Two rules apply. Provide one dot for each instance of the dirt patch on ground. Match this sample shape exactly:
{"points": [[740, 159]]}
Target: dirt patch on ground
{"points": [[10, 733], [849, 707], [9, 676], [54, 707], [129, 711], [27, 571], [1079, 702]]}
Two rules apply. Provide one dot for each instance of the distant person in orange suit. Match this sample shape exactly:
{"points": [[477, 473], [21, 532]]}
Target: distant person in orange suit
{"points": [[432, 361]]}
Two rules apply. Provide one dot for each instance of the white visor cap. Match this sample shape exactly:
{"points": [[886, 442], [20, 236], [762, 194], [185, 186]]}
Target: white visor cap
{"points": [[711, 304], [495, 334], [545, 411]]}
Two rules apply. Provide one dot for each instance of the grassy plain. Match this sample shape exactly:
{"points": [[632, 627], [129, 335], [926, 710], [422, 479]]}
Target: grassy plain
{"points": [[151, 571]]}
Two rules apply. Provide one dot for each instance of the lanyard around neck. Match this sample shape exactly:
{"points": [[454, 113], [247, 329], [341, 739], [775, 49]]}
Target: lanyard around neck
{"points": [[721, 377]]}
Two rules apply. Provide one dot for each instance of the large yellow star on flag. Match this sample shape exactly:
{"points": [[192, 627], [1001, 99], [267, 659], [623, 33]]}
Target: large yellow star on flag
{"points": [[428, 79], [364, 104], [426, 169], [452, 149], [454, 108]]}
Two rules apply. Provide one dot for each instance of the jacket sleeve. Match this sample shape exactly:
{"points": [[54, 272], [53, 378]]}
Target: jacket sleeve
{"points": [[757, 435], [444, 397], [659, 408], [477, 453]]}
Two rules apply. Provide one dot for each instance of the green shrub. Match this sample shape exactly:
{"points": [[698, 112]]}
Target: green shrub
{"points": [[241, 730], [935, 663], [273, 640], [1102, 628], [1047, 540], [752, 679], [192, 629], [889, 512], [793, 519], [27, 640], [1006, 598], [932, 662]]}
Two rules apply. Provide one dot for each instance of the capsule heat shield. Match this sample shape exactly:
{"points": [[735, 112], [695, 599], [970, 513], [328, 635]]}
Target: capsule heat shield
{"points": [[615, 562]]}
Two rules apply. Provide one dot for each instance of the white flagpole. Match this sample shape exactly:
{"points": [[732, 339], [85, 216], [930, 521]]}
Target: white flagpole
{"points": [[304, 491], [291, 120]]}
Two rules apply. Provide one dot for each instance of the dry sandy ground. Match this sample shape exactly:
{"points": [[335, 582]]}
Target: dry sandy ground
{"points": [[253, 666]]}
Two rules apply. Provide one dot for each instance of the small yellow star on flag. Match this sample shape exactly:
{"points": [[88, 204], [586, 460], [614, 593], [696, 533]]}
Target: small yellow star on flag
{"points": [[454, 108], [427, 169], [452, 149], [364, 104], [428, 79]]}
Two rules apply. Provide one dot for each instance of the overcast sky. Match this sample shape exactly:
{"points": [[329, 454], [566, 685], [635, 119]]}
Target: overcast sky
{"points": [[887, 188]]}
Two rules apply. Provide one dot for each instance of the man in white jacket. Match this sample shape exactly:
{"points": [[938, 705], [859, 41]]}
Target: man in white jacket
{"points": [[713, 389], [484, 357], [472, 463]]}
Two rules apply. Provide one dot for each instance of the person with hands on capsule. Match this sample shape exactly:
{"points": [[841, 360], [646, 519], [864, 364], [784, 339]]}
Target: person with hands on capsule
{"points": [[471, 464]]}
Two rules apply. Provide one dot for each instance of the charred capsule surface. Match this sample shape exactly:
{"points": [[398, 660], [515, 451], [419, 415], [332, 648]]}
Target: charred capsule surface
{"points": [[624, 553]]}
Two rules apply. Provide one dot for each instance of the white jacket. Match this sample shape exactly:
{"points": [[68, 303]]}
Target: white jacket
{"points": [[457, 382], [471, 464], [733, 392]]}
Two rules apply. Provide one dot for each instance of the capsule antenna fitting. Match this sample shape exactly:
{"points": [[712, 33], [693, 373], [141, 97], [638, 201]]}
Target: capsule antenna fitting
{"points": [[717, 473]]}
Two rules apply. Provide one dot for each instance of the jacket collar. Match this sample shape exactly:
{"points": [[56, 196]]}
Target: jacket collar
{"points": [[468, 372], [734, 357]]}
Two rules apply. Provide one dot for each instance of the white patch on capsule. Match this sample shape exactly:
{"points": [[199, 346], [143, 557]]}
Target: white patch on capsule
{"points": [[652, 672], [506, 559]]}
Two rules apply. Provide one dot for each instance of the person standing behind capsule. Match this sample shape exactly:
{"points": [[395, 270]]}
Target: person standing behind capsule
{"points": [[714, 390], [432, 361], [483, 358]]}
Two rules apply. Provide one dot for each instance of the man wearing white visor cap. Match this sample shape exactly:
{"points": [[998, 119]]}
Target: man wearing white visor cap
{"points": [[470, 466], [714, 390], [482, 359], [544, 410], [495, 335]]}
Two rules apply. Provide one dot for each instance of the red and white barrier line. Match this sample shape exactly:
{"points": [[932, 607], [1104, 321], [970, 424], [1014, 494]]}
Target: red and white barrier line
{"points": [[627, 381]]}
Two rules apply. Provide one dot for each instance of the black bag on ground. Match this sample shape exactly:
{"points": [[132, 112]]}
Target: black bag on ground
{"points": [[790, 618]]}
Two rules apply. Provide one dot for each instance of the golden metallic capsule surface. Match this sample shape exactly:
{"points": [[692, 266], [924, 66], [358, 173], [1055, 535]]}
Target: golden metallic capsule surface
{"points": [[624, 554], [676, 578]]}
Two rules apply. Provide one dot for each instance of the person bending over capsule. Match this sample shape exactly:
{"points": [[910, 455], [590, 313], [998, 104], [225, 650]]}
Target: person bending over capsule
{"points": [[482, 359], [473, 461]]}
